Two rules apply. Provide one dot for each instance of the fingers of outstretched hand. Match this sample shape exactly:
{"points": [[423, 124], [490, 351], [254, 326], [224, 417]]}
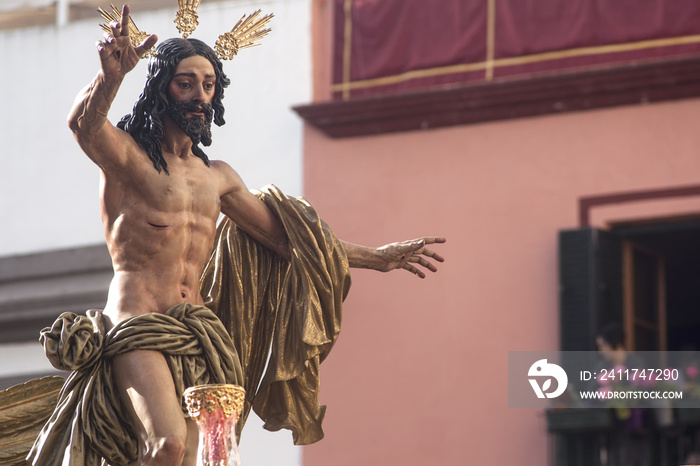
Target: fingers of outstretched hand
{"points": [[429, 252], [432, 254], [434, 240], [420, 243], [414, 270], [423, 262]]}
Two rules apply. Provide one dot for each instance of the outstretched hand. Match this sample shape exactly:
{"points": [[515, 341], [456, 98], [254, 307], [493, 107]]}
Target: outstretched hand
{"points": [[408, 255], [117, 54]]}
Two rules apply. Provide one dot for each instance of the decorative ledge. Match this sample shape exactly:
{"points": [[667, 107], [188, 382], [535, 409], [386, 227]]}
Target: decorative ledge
{"points": [[631, 84], [36, 288]]}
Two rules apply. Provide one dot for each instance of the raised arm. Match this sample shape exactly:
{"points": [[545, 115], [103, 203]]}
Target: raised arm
{"points": [[88, 117]]}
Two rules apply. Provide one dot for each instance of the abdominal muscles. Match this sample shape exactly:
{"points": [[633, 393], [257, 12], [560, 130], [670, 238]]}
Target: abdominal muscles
{"points": [[157, 263]]}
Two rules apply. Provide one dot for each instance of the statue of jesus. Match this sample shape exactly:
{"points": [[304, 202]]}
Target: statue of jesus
{"points": [[160, 200]]}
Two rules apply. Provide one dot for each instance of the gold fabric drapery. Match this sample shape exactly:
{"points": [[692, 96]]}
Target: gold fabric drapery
{"points": [[293, 307]]}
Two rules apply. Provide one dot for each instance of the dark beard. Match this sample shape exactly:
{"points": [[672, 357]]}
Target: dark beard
{"points": [[197, 128]]}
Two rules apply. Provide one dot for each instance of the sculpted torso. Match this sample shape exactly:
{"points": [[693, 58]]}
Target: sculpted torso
{"points": [[160, 230]]}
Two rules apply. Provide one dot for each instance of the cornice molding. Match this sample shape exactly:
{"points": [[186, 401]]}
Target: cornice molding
{"points": [[36, 288], [631, 84]]}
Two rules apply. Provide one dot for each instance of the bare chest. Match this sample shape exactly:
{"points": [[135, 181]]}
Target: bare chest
{"points": [[184, 191], [196, 194]]}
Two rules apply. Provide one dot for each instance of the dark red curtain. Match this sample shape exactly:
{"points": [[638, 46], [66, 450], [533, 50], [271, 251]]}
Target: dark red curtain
{"points": [[392, 46]]}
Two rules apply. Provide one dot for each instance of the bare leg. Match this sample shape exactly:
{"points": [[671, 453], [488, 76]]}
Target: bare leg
{"points": [[146, 387], [192, 444]]}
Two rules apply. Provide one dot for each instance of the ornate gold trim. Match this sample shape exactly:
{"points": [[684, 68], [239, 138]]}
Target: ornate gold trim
{"points": [[226, 397], [186, 19], [247, 30], [490, 38], [347, 48]]}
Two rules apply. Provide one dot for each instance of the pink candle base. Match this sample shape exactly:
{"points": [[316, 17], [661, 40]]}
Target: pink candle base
{"points": [[215, 408]]}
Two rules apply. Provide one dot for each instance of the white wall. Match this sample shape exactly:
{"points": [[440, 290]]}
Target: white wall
{"points": [[49, 189]]}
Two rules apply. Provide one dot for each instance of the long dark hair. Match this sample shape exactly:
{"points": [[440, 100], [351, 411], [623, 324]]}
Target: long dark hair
{"points": [[145, 122]]}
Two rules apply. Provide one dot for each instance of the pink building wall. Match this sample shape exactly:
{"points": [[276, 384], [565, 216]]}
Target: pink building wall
{"points": [[419, 373]]}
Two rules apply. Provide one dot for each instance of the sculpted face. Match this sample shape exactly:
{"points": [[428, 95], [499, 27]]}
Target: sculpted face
{"points": [[190, 94]]}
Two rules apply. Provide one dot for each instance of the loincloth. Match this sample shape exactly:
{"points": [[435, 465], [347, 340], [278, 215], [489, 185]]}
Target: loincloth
{"points": [[90, 422]]}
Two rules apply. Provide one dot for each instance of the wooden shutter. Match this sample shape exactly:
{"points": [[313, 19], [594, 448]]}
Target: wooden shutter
{"points": [[590, 276]]}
